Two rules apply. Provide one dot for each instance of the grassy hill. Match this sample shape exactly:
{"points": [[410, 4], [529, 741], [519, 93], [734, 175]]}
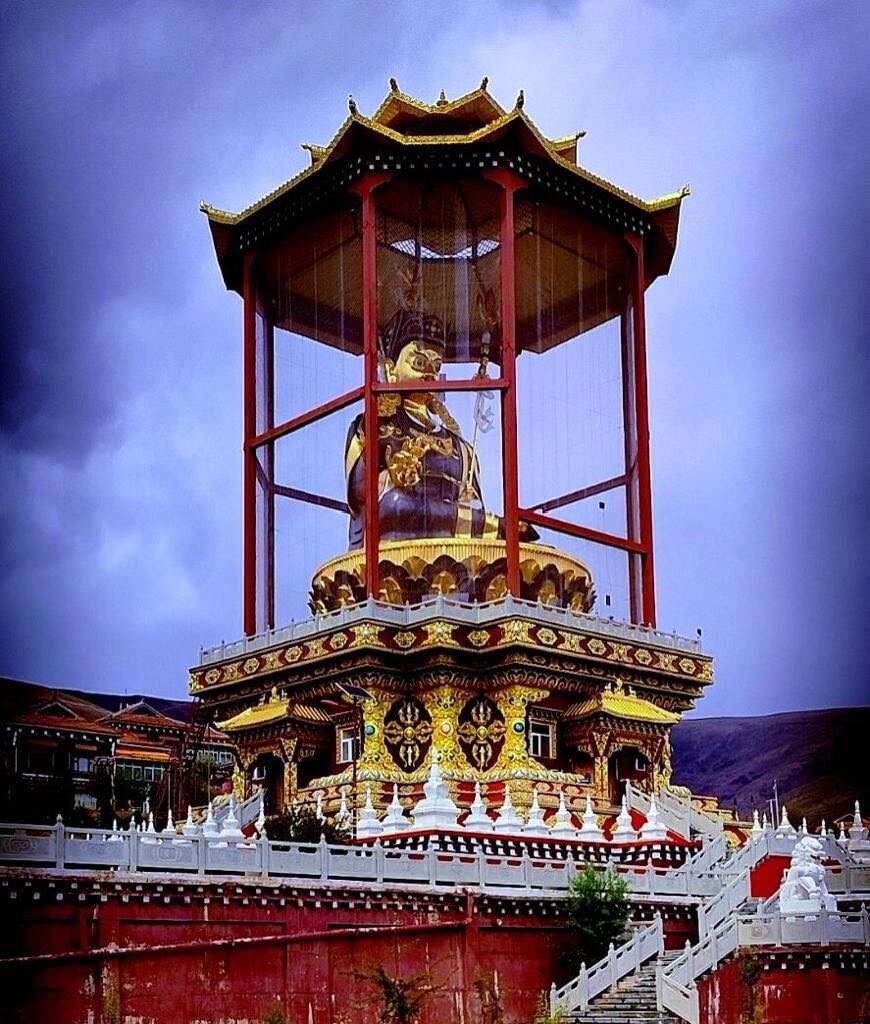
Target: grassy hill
{"points": [[819, 759]]}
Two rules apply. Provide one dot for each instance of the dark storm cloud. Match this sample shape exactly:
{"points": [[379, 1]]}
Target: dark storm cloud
{"points": [[119, 407]]}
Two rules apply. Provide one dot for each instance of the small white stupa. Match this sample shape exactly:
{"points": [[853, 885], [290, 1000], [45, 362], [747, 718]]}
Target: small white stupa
{"points": [[395, 820], [230, 828], [436, 809], [653, 828], [623, 831], [535, 826], [150, 833], [562, 825], [210, 826], [190, 827], [785, 827], [590, 830], [757, 828], [368, 826], [859, 843], [169, 830], [478, 820], [508, 818]]}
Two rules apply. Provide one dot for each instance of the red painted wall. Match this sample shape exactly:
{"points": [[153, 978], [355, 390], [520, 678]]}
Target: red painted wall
{"points": [[765, 878], [454, 937], [813, 995]]}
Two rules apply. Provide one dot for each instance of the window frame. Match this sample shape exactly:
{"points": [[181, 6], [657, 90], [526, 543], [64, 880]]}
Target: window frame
{"points": [[549, 738]]}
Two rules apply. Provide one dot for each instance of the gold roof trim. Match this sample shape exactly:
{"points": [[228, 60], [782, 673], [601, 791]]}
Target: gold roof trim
{"points": [[621, 701], [401, 101], [320, 155], [272, 710]]}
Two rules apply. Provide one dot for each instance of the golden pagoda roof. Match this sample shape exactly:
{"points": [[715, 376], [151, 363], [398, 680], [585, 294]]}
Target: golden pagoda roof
{"points": [[273, 709], [405, 121], [620, 701]]}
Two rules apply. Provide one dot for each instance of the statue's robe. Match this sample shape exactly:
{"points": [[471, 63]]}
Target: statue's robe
{"points": [[444, 502]]}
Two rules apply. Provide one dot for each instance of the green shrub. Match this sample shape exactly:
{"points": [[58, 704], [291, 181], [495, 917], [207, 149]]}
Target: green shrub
{"points": [[596, 914]]}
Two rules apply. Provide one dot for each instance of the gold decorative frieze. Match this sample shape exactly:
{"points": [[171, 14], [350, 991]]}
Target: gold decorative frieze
{"points": [[446, 633]]}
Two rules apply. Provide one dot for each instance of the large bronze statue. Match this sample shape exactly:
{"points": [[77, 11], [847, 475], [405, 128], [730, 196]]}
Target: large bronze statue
{"points": [[428, 474]]}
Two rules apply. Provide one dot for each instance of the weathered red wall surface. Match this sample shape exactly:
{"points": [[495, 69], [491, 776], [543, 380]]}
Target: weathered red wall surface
{"points": [[805, 992], [230, 950]]}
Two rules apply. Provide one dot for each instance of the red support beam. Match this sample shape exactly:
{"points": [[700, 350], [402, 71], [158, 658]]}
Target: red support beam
{"points": [[584, 532], [580, 495], [641, 407], [305, 418], [365, 188], [510, 183], [312, 499], [249, 420], [470, 384]]}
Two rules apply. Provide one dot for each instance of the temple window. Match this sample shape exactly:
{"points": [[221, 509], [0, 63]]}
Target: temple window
{"points": [[542, 739], [346, 744]]}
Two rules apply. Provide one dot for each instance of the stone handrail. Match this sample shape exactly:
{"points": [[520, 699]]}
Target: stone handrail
{"points": [[644, 944], [676, 989], [699, 821], [477, 613], [63, 848], [677, 814], [731, 896]]}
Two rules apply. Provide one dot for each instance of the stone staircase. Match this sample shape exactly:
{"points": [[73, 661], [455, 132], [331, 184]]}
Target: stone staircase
{"points": [[630, 1001]]}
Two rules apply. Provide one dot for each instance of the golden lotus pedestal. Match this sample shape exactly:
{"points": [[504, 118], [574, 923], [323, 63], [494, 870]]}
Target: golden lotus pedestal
{"points": [[465, 568]]}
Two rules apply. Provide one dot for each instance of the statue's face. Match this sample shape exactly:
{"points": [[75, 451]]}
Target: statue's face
{"points": [[418, 360]]}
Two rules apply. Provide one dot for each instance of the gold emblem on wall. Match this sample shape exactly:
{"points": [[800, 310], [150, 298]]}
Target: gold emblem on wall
{"points": [[481, 732], [408, 733]]}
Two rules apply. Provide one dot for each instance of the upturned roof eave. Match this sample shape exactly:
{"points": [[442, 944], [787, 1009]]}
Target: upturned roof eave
{"points": [[546, 148]]}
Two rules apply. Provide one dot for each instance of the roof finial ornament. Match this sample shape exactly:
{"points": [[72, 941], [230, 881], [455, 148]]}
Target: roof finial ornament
{"points": [[521, 99], [442, 100], [394, 85], [351, 104], [484, 82]]}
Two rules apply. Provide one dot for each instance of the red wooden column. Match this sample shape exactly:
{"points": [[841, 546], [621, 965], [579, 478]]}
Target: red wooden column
{"points": [[629, 423], [249, 421], [269, 467], [510, 184], [365, 189], [641, 415]]}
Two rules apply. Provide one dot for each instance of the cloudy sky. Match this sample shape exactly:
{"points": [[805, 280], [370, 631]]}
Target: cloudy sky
{"points": [[120, 414]]}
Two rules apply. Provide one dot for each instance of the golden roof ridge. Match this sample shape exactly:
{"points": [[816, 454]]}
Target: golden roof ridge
{"points": [[323, 153]]}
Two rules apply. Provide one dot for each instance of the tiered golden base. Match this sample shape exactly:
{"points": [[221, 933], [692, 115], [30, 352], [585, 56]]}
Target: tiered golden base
{"points": [[464, 568]]}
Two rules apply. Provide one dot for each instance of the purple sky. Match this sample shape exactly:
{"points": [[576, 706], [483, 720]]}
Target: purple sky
{"points": [[120, 415]]}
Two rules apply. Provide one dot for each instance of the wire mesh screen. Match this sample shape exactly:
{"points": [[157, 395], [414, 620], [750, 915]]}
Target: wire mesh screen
{"points": [[438, 254], [572, 281]]}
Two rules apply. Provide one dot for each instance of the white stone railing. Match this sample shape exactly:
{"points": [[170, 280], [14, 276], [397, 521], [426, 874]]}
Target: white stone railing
{"points": [[850, 880], [644, 944], [676, 813], [711, 855], [472, 614], [64, 848], [676, 983], [732, 895]]}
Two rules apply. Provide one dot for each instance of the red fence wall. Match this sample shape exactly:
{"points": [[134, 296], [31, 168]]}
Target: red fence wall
{"points": [[788, 988], [211, 952]]}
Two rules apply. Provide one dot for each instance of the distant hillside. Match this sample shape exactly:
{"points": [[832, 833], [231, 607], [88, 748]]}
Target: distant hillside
{"points": [[819, 759]]}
